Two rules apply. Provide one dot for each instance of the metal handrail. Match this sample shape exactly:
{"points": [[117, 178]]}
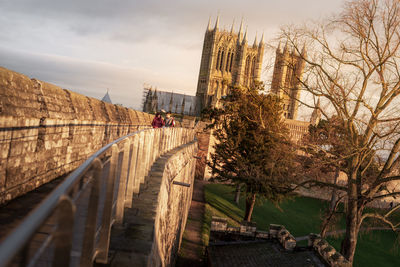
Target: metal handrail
{"points": [[60, 203]]}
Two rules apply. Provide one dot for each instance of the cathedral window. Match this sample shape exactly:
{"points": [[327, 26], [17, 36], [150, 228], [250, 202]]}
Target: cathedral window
{"points": [[221, 67], [247, 71], [227, 61], [218, 59], [253, 67], [247, 67], [231, 61]]}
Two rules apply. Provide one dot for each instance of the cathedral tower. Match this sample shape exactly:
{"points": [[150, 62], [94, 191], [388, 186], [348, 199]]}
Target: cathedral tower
{"points": [[288, 70], [227, 60]]}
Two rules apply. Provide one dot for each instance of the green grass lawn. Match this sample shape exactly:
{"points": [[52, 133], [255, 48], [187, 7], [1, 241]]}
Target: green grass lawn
{"points": [[301, 216]]}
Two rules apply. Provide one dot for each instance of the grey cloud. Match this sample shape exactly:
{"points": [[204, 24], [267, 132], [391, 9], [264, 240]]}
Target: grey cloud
{"points": [[92, 28], [89, 78]]}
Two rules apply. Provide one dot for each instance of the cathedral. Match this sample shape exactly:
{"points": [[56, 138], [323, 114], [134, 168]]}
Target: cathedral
{"points": [[288, 71], [228, 60]]}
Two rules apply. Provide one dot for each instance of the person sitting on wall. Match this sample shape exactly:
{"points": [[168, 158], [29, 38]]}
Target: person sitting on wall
{"points": [[158, 121], [169, 120]]}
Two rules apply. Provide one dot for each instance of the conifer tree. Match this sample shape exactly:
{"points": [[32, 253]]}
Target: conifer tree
{"points": [[252, 145]]}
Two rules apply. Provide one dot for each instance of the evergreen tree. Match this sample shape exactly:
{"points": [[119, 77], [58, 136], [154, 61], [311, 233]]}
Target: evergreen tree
{"points": [[252, 145]]}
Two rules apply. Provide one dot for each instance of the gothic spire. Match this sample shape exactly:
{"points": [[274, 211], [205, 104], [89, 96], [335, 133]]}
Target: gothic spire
{"points": [[209, 24], [262, 40], [304, 51], [286, 48], [316, 114], [279, 49], [240, 31], [245, 37], [255, 41], [216, 24], [233, 23]]}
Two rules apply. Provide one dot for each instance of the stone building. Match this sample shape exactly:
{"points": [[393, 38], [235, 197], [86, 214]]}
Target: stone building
{"points": [[155, 100], [227, 60], [288, 70]]}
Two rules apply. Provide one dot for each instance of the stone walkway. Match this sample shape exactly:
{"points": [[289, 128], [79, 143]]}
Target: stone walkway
{"points": [[12, 213], [192, 248]]}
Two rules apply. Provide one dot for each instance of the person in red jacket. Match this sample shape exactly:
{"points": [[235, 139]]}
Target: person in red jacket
{"points": [[158, 121]]}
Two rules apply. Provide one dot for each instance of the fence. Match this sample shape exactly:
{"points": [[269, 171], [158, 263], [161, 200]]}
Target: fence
{"points": [[71, 227]]}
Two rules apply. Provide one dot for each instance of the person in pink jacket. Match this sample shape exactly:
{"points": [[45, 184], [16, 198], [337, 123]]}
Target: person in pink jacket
{"points": [[158, 121]]}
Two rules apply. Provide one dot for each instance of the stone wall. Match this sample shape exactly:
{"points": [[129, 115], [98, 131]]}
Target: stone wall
{"points": [[47, 131], [173, 203]]}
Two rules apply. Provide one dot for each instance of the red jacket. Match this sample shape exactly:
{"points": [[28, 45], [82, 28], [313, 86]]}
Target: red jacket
{"points": [[158, 122]]}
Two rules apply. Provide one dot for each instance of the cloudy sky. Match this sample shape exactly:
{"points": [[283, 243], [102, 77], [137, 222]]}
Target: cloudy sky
{"points": [[91, 45]]}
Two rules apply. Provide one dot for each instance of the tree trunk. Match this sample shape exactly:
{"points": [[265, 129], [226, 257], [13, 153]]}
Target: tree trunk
{"points": [[250, 201], [237, 194], [349, 243]]}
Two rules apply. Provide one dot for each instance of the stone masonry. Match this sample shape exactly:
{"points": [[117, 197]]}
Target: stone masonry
{"points": [[152, 230], [47, 131]]}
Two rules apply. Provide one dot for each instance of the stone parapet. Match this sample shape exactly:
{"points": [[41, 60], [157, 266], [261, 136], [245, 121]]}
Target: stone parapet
{"points": [[218, 224], [285, 238], [327, 252], [47, 131], [173, 202]]}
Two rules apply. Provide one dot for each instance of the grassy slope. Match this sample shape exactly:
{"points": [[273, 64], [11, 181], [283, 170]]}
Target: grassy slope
{"points": [[300, 216]]}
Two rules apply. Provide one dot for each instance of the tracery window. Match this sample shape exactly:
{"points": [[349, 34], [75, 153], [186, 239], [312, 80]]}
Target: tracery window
{"points": [[231, 62], [228, 57], [221, 67], [218, 59]]}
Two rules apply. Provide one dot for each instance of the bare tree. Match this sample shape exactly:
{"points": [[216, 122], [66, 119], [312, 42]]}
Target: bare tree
{"points": [[353, 66]]}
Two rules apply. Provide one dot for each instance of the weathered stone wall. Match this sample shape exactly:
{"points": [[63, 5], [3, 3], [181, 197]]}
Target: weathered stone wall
{"points": [[47, 131], [173, 204]]}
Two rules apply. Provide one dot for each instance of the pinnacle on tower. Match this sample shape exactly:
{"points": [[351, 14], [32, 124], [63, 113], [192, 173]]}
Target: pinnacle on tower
{"points": [[286, 49], [278, 49], [316, 114], [216, 24], [294, 51], [240, 31], [255, 41], [304, 51], [245, 37], [233, 23], [262, 40], [209, 24]]}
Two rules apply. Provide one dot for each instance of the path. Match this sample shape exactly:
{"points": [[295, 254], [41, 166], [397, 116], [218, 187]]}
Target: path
{"points": [[12, 213], [192, 248]]}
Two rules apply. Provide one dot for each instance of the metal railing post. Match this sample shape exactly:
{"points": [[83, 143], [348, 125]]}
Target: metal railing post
{"points": [[104, 240], [133, 172], [119, 212], [143, 161], [88, 251], [63, 234]]}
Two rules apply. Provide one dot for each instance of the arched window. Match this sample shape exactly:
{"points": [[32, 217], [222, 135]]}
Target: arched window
{"points": [[253, 67], [228, 57], [221, 67], [218, 59], [231, 62], [247, 66]]}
